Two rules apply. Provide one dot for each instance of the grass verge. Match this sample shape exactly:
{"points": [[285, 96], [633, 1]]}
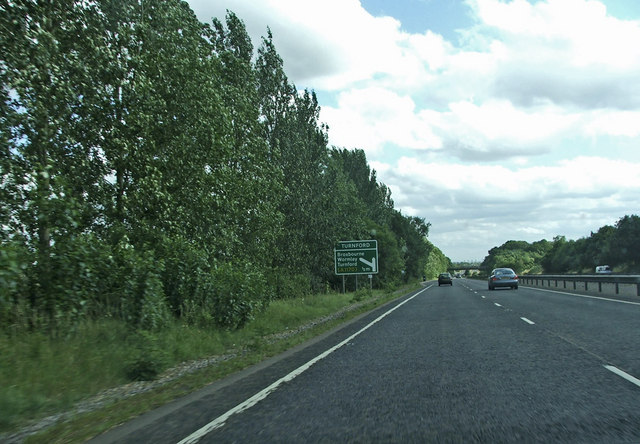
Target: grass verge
{"points": [[48, 377]]}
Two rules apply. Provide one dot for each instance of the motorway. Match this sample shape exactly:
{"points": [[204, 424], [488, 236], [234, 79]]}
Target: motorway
{"points": [[443, 364]]}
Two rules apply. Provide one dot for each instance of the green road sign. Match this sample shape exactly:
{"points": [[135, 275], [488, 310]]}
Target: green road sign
{"points": [[356, 257]]}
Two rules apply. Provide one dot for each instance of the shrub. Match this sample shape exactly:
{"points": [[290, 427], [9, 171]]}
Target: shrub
{"points": [[186, 272], [148, 360], [80, 271], [154, 312], [228, 297], [238, 292], [286, 285], [134, 292], [13, 281]]}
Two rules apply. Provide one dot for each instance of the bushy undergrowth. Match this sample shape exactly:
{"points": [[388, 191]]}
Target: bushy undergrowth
{"points": [[43, 374], [89, 279]]}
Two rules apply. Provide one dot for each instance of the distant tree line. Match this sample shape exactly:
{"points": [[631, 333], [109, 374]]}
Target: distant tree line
{"points": [[153, 167], [617, 246], [437, 263]]}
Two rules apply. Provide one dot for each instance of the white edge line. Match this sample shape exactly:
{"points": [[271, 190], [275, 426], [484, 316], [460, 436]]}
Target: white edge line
{"points": [[528, 321], [219, 421], [625, 375], [583, 295]]}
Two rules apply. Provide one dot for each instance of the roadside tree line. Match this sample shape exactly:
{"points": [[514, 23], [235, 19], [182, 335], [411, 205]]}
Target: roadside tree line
{"points": [[153, 167], [617, 246]]}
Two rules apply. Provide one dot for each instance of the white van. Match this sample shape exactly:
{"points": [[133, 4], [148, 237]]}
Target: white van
{"points": [[603, 269]]}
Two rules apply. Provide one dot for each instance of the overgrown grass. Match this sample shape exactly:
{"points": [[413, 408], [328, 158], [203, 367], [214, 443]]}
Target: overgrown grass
{"points": [[40, 376]]}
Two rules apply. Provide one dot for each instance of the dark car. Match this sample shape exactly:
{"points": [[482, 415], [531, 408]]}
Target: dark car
{"points": [[445, 278], [503, 277]]}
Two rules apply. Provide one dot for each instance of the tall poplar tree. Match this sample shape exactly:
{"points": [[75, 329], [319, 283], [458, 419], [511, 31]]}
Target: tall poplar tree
{"points": [[48, 171], [248, 216]]}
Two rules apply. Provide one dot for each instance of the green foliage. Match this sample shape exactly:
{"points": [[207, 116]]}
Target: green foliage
{"points": [[154, 168], [560, 259], [186, 274], [375, 196], [617, 246], [390, 270], [148, 358], [412, 235], [289, 286], [614, 246], [436, 262], [521, 256], [154, 310], [81, 272], [238, 293], [47, 374], [50, 375], [227, 296], [14, 260], [363, 292], [626, 241]]}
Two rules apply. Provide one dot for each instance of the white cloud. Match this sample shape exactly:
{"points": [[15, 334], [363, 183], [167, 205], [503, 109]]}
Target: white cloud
{"points": [[497, 126], [579, 29], [615, 123], [588, 177], [498, 203], [515, 94], [370, 118], [308, 34], [525, 128], [565, 51]]}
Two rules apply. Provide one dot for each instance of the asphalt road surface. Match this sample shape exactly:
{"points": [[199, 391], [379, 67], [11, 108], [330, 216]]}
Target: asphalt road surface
{"points": [[444, 364]]}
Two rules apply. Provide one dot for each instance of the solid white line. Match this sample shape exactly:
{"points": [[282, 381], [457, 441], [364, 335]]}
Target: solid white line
{"points": [[584, 296], [497, 305], [528, 321], [220, 421], [625, 375]]}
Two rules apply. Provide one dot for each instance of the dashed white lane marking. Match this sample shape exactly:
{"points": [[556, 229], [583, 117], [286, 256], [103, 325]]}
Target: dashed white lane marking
{"points": [[220, 421], [623, 374], [611, 368]]}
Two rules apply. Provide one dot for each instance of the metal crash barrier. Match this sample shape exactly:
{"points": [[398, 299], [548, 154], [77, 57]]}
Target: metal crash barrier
{"points": [[622, 285]]}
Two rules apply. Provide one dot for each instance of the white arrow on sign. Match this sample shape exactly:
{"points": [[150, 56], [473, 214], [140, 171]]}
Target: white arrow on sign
{"points": [[372, 264]]}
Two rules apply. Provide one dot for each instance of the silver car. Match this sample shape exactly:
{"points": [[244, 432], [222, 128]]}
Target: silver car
{"points": [[503, 277]]}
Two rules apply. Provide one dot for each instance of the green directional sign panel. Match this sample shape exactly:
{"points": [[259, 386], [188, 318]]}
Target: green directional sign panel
{"points": [[356, 257]]}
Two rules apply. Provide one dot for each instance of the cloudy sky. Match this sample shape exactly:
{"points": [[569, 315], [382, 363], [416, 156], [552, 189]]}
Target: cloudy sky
{"points": [[492, 119]]}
